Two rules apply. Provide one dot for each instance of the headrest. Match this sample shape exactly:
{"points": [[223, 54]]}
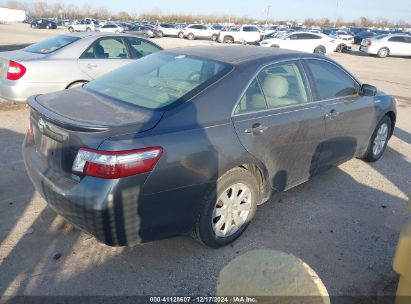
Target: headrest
{"points": [[275, 86]]}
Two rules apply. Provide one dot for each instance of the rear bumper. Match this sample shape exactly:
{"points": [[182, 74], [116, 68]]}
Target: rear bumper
{"points": [[19, 91], [368, 50], [115, 211]]}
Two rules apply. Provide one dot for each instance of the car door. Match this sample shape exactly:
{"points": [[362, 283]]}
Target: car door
{"points": [[398, 46], [278, 124], [104, 55], [349, 117], [407, 46]]}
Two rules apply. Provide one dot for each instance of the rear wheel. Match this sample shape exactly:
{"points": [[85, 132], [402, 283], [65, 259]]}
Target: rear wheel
{"points": [[181, 35], [160, 34], [228, 209], [88, 29], [47, 26], [214, 37], [191, 36], [228, 40], [320, 50], [383, 52], [275, 46], [379, 140], [71, 29], [341, 48]]}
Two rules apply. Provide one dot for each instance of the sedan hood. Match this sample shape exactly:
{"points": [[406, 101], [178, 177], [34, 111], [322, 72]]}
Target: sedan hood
{"points": [[82, 109]]}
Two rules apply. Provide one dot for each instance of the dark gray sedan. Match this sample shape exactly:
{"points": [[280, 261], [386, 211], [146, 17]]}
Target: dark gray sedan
{"points": [[191, 140]]}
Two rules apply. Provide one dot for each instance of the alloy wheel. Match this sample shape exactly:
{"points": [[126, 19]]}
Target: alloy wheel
{"points": [[231, 210]]}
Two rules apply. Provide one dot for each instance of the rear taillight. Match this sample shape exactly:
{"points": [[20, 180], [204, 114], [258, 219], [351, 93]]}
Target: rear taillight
{"points": [[15, 71], [369, 42], [116, 164]]}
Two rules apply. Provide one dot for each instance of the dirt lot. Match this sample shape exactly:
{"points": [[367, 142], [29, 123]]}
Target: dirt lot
{"points": [[344, 223]]}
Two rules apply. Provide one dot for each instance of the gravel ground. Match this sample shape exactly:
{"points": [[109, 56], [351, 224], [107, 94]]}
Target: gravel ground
{"points": [[343, 223]]}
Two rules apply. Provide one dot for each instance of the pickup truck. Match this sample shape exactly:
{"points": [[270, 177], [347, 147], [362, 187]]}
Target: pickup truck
{"points": [[86, 25], [245, 34]]}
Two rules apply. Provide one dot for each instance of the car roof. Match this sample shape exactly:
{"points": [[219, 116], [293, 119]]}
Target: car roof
{"points": [[238, 54], [95, 34]]}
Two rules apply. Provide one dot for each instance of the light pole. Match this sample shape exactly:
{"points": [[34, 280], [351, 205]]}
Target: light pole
{"points": [[336, 13]]}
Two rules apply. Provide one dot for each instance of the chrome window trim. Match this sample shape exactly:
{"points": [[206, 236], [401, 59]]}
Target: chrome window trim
{"points": [[310, 89]]}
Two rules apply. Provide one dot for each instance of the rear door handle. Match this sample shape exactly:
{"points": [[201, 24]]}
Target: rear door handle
{"points": [[256, 129]]}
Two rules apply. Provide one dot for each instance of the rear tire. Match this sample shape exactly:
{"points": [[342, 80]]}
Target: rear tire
{"points": [[181, 35], [379, 140], [160, 34], [214, 37], [191, 36], [320, 50], [233, 199], [340, 48], [229, 40], [71, 29], [88, 29], [383, 52], [275, 46]]}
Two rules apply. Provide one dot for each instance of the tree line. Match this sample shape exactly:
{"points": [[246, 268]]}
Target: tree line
{"points": [[43, 9]]}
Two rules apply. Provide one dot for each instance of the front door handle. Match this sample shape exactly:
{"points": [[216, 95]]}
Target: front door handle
{"points": [[256, 129], [333, 114]]}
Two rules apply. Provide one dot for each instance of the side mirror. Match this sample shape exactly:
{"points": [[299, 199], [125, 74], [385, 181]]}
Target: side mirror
{"points": [[368, 90]]}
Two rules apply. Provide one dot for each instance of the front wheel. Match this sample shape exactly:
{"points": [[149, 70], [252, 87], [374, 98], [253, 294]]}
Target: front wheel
{"points": [[340, 48], [379, 140], [181, 35], [214, 37], [228, 209], [71, 29], [160, 34]]}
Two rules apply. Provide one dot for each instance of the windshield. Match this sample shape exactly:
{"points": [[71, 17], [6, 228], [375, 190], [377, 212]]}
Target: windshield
{"points": [[51, 45], [159, 80]]}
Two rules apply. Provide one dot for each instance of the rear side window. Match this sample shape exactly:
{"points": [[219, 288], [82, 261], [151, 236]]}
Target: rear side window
{"points": [[51, 45], [252, 100], [159, 80], [331, 81], [283, 85], [397, 39]]}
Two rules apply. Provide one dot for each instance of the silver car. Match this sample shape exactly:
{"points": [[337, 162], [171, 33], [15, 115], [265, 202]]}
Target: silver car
{"points": [[67, 61]]}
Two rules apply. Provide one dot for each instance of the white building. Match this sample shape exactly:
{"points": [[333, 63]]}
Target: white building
{"points": [[11, 15]]}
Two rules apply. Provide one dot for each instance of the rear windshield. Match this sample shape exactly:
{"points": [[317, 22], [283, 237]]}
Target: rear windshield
{"points": [[51, 45], [380, 36], [159, 80]]}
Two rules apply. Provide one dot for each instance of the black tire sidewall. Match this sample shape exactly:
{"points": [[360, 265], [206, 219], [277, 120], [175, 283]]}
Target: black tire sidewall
{"points": [[370, 157], [204, 229]]}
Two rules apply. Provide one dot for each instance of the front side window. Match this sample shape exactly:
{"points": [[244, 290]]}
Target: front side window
{"points": [[107, 48], [159, 80], [331, 81], [51, 45], [141, 48]]}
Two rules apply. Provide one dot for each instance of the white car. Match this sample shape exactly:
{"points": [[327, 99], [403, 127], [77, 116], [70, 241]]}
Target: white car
{"points": [[343, 36], [246, 34], [387, 45], [166, 29], [195, 31], [302, 41], [111, 28]]}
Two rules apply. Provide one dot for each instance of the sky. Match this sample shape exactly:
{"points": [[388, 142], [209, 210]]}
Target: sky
{"points": [[393, 10]]}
